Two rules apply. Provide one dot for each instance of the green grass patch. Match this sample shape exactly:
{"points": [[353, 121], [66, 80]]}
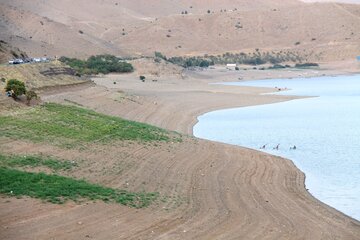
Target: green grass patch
{"points": [[58, 189], [34, 161], [69, 125]]}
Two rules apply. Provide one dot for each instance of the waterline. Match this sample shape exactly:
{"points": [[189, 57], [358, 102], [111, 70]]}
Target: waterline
{"points": [[324, 129]]}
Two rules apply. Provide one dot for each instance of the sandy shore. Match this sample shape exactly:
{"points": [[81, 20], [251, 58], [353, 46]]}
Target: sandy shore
{"points": [[221, 191]]}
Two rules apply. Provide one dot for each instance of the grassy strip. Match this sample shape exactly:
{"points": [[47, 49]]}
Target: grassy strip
{"points": [[70, 125], [58, 189], [34, 161]]}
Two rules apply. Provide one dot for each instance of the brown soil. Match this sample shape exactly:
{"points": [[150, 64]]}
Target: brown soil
{"points": [[211, 190]]}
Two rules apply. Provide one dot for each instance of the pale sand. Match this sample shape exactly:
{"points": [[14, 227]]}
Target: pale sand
{"points": [[226, 192]]}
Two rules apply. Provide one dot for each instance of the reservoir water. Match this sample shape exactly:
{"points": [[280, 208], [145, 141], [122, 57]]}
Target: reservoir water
{"points": [[324, 128]]}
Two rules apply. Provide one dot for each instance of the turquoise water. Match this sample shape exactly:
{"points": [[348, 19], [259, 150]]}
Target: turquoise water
{"points": [[325, 130]]}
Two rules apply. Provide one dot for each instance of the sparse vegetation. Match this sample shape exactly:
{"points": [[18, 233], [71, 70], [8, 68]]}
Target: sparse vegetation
{"points": [[69, 126], [255, 58], [191, 61], [34, 161], [58, 189], [160, 55], [186, 61], [98, 64], [277, 66]]}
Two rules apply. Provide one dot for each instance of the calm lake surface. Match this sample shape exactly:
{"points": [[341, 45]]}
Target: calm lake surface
{"points": [[325, 130]]}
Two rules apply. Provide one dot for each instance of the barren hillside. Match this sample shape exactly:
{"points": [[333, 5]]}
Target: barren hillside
{"points": [[320, 31]]}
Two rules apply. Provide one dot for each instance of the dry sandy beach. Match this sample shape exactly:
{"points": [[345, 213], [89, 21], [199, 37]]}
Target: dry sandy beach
{"points": [[215, 191]]}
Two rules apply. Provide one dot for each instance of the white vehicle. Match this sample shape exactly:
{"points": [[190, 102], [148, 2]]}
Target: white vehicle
{"points": [[18, 61], [231, 65]]}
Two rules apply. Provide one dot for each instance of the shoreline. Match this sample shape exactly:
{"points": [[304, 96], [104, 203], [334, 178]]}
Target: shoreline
{"points": [[273, 92], [193, 120], [231, 191], [275, 155]]}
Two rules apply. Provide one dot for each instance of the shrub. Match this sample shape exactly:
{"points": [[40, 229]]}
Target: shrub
{"points": [[237, 68], [98, 64], [142, 78], [304, 65], [160, 55], [277, 66], [191, 61], [204, 63], [16, 87], [30, 95]]}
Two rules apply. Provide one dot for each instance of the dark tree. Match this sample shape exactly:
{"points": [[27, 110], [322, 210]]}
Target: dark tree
{"points": [[16, 87]]}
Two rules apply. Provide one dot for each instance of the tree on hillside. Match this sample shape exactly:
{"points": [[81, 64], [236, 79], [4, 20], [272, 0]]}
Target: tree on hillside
{"points": [[204, 64], [16, 87], [30, 95], [98, 64]]}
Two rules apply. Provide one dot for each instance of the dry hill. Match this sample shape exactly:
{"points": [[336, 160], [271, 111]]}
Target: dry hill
{"points": [[320, 31]]}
